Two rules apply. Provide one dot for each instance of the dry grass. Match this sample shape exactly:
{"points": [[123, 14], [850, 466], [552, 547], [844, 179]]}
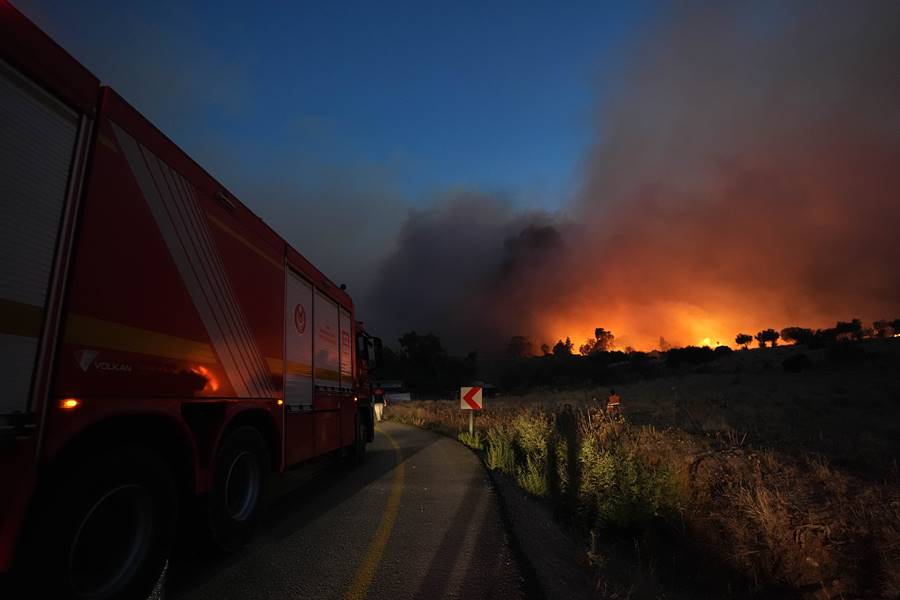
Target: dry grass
{"points": [[714, 487]]}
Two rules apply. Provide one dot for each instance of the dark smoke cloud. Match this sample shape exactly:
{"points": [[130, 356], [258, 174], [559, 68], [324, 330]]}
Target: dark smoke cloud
{"points": [[746, 175], [453, 261], [344, 220]]}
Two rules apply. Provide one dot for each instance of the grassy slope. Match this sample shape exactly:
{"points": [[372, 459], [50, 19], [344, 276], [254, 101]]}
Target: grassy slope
{"points": [[733, 479]]}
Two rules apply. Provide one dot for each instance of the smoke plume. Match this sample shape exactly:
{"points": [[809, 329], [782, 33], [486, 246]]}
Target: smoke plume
{"points": [[746, 174]]}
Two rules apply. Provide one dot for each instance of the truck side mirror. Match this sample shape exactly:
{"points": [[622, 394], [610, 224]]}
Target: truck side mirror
{"points": [[379, 351]]}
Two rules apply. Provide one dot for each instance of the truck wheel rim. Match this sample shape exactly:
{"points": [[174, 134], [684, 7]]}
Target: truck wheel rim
{"points": [[242, 486], [111, 542]]}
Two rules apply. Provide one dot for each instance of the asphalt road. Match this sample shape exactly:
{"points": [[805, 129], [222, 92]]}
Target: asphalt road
{"points": [[418, 519]]}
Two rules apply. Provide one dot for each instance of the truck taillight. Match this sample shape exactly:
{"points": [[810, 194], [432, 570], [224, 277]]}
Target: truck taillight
{"points": [[69, 403]]}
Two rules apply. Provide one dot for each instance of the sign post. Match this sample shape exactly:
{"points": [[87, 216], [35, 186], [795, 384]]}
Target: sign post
{"points": [[470, 399]]}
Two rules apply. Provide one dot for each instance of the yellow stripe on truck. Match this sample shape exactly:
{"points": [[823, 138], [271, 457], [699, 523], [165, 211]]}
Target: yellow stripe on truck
{"points": [[295, 368], [329, 374], [20, 319], [25, 320], [88, 331]]}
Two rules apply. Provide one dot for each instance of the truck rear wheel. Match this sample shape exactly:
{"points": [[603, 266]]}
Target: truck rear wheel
{"points": [[241, 470], [107, 528], [362, 437]]}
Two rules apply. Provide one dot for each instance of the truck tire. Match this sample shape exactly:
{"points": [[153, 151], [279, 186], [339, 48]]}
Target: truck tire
{"points": [[358, 454], [239, 478], [106, 528]]}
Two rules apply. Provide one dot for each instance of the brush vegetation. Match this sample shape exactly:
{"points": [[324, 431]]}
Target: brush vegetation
{"points": [[749, 481]]}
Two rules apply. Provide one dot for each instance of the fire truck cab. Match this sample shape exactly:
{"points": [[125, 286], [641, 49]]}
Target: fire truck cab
{"points": [[161, 347]]}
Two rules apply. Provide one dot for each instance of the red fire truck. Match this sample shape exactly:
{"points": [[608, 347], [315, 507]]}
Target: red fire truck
{"points": [[160, 345]]}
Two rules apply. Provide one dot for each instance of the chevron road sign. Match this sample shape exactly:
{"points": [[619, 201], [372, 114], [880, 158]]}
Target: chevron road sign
{"points": [[470, 398]]}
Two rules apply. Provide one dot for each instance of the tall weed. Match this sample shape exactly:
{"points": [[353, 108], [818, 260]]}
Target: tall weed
{"points": [[500, 454], [532, 476]]}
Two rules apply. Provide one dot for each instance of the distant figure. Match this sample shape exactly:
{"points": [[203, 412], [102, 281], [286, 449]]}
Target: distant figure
{"points": [[613, 403], [378, 403]]}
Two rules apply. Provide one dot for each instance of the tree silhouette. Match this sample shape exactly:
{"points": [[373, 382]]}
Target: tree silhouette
{"points": [[767, 335], [421, 348], [519, 347], [423, 357], [587, 347], [743, 339], [563, 348], [425, 365], [883, 328], [605, 340], [798, 335], [849, 330], [545, 349]]}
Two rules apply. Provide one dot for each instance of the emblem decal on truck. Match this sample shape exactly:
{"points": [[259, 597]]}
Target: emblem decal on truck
{"points": [[103, 365], [85, 358], [300, 319]]}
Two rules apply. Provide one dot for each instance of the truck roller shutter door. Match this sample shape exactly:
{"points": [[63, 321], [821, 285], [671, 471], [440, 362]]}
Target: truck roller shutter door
{"points": [[327, 355], [346, 350], [298, 341], [37, 144]]}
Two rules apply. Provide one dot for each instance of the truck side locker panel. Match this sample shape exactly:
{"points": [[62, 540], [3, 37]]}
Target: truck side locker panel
{"points": [[326, 360], [47, 105], [37, 144], [348, 405], [298, 368]]}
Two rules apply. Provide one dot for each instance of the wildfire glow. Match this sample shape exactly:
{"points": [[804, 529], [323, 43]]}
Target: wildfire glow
{"points": [[673, 324]]}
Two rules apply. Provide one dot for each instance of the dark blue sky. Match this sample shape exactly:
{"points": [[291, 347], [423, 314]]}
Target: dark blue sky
{"points": [[499, 97], [674, 148]]}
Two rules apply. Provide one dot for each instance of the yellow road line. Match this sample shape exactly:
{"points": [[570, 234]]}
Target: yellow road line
{"points": [[366, 571]]}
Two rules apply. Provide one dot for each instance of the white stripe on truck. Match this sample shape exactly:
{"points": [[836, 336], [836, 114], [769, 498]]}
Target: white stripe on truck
{"points": [[174, 204]]}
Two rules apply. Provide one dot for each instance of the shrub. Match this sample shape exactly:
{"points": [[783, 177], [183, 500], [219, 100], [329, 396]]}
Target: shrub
{"points": [[472, 441], [532, 476], [530, 434], [500, 455], [619, 489], [531, 431], [691, 355]]}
